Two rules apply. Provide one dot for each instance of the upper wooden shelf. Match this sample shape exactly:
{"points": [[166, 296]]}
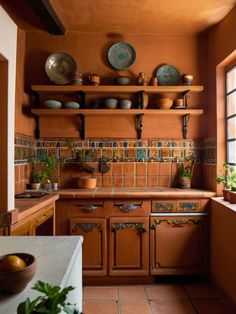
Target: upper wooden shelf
{"points": [[115, 89], [73, 112]]}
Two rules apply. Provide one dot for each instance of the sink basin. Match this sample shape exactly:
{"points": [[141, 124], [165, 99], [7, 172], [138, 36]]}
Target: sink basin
{"points": [[31, 195]]}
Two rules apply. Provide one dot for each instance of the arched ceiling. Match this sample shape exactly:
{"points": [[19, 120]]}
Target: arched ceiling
{"points": [[129, 16]]}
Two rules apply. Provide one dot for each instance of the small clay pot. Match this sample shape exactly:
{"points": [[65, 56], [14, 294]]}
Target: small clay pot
{"points": [[226, 194], [187, 79], [87, 182], [232, 196], [185, 183]]}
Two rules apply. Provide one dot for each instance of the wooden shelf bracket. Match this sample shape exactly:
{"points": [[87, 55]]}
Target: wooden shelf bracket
{"points": [[186, 96], [139, 125], [185, 125], [82, 126]]}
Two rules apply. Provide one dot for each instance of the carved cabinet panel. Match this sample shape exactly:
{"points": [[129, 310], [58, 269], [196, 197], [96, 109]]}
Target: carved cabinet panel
{"points": [[94, 246], [129, 246], [178, 244]]}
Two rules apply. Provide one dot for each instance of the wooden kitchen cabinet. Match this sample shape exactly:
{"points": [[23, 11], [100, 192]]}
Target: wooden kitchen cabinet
{"points": [[94, 232], [178, 245], [40, 222], [129, 246]]}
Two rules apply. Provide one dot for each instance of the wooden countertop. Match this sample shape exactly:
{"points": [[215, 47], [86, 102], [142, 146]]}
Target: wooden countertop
{"points": [[135, 193]]}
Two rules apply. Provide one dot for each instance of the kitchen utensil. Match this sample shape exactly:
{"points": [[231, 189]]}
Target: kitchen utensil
{"points": [[121, 55], [168, 75], [59, 67], [122, 80], [110, 103], [52, 104], [71, 105], [163, 103], [125, 103]]}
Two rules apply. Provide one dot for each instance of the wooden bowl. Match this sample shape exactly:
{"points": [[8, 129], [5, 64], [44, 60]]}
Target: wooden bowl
{"points": [[163, 103], [16, 281], [87, 182]]}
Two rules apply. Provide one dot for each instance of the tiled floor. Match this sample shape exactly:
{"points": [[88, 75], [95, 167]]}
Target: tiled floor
{"points": [[153, 299]]}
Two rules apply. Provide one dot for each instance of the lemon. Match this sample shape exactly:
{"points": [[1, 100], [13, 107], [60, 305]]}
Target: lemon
{"points": [[12, 263]]}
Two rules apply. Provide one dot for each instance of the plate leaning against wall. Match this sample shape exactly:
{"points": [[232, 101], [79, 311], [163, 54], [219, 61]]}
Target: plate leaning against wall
{"points": [[168, 75], [121, 55], [59, 67]]}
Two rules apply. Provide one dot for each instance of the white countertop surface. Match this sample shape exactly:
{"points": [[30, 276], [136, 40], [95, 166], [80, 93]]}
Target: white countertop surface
{"points": [[55, 258]]}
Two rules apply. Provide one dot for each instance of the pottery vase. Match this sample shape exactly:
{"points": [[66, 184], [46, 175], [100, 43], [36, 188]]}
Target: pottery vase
{"points": [[232, 195], [226, 194], [142, 80]]}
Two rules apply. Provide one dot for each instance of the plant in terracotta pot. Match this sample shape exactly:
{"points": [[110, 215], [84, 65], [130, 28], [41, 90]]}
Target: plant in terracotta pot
{"points": [[228, 179], [186, 174]]}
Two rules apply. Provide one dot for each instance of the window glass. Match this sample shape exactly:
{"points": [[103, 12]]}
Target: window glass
{"points": [[231, 116]]}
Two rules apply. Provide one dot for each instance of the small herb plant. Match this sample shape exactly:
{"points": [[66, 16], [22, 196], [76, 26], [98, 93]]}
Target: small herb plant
{"points": [[187, 171], [228, 178], [42, 169], [53, 301]]}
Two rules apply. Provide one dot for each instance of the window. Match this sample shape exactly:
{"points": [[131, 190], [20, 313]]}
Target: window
{"points": [[231, 116]]}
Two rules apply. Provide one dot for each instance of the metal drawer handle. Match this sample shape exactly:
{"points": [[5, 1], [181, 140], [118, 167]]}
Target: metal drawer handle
{"points": [[128, 207], [88, 208]]}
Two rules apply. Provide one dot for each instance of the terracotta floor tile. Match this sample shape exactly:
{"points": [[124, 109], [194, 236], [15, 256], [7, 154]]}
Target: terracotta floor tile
{"points": [[165, 292], [210, 306], [200, 291], [100, 293], [134, 308], [132, 293], [172, 307], [101, 307]]}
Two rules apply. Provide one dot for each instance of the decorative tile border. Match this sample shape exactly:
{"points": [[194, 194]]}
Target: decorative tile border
{"points": [[162, 150]]}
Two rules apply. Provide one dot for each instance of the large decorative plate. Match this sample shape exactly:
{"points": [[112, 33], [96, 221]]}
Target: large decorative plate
{"points": [[168, 75], [59, 67], [121, 55]]}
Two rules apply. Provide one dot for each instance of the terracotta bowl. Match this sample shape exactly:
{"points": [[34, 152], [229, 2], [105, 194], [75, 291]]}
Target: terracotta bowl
{"points": [[163, 103], [16, 281], [87, 182]]}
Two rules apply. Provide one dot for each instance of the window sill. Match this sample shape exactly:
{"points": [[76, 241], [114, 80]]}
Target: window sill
{"points": [[226, 204]]}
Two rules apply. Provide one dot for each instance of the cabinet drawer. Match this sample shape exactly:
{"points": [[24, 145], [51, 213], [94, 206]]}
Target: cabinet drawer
{"points": [[164, 206], [126, 207], [85, 208], [192, 205], [43, 215]]}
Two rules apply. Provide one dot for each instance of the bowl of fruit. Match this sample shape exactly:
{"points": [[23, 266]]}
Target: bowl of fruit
{"points": [[16, 271]]}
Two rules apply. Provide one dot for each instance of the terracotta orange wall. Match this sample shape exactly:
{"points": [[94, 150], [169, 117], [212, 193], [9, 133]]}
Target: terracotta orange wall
{"points": [[90, 53], [223, 254], [221, 44]]}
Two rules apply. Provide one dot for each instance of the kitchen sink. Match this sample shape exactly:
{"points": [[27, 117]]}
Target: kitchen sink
{"points": [[31, 195]]}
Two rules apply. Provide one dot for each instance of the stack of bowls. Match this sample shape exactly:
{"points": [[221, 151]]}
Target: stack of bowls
{"points": [[122, 80], [110, 103], [125, 103]]}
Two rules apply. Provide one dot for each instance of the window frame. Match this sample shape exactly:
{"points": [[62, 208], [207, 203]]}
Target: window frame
{"points": [[227, 118]]}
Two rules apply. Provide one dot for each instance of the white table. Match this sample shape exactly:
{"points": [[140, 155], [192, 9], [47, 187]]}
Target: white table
{"points": [[59, 262]]}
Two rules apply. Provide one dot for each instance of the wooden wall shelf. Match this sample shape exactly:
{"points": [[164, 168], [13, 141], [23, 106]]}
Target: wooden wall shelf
{"points": [[94, 112], [115, 89]]}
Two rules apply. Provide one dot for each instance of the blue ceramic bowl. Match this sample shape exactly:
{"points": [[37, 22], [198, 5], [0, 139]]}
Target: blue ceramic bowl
{"points": [[52, 104], [71, 105]]}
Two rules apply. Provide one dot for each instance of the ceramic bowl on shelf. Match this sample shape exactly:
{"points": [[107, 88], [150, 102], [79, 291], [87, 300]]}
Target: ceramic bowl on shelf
{"points": [[71, 105], [178, 103], [52, 104], [122, 80], [13, 277], [163, 103], [125, 103], [110, 103]]}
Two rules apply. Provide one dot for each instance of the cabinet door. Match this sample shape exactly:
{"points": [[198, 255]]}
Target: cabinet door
{"points": [[94, 246], [128, 244], [178, 245]]}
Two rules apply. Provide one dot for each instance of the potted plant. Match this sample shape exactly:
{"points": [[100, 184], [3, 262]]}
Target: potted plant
{"points": [[228, 179], [52, 301], [42, 170], [186, 174]]}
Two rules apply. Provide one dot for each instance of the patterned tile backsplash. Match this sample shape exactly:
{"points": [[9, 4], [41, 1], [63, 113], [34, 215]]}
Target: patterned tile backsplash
{"points": [[143, 156]]}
